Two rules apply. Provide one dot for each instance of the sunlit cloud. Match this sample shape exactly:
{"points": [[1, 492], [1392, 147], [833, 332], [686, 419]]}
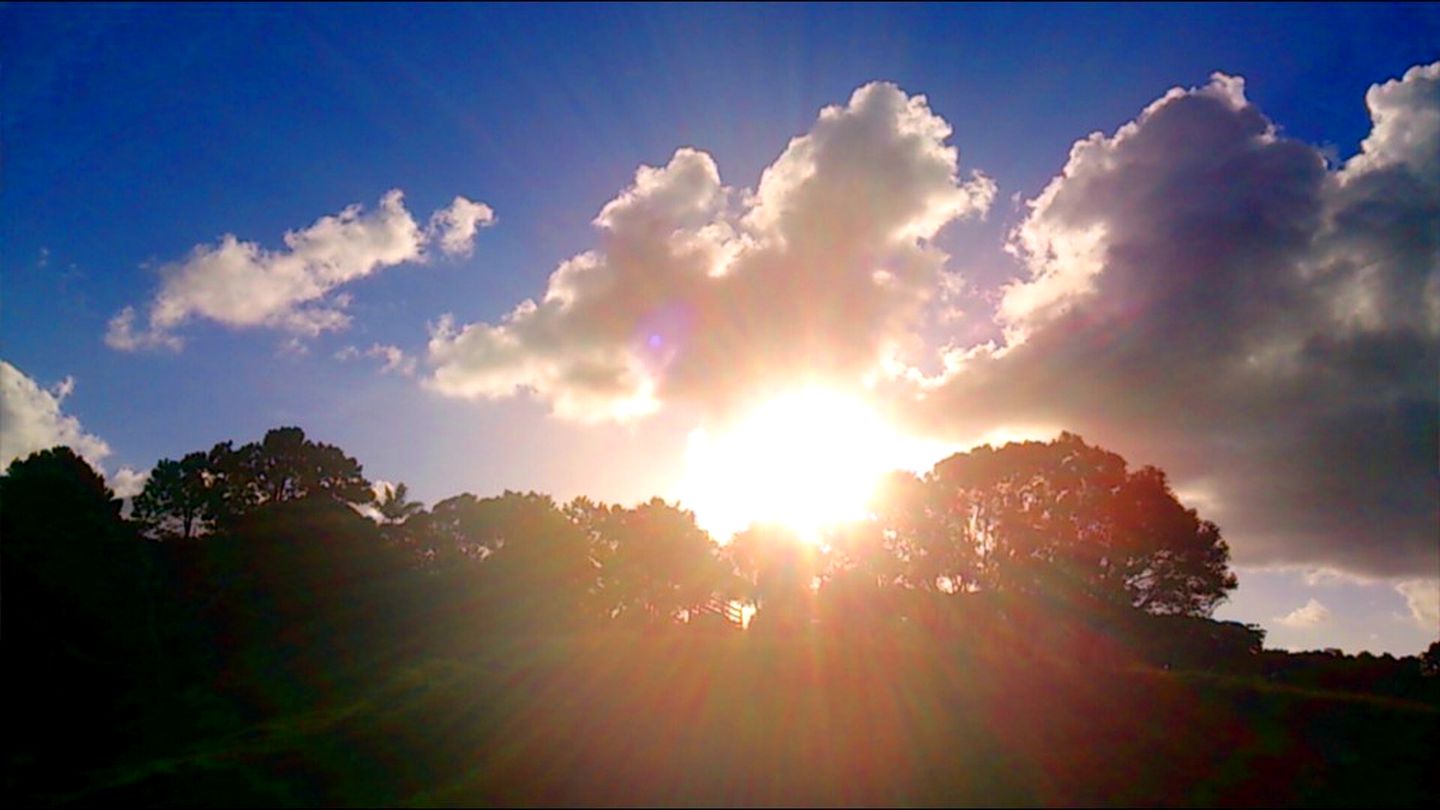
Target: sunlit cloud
{"points": [[241, 284], [1311, 614], [697, 292], [1422, 596], [455, 227], [392, 358], [31, 420], [129, 482]]}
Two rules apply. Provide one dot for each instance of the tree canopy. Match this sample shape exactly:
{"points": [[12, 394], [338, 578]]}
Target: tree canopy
{"points": [[1069, 520], [654, 562], [187, 497]]}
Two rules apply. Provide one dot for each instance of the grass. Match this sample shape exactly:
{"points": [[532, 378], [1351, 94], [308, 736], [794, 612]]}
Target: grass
{"points": [[743, 721]]}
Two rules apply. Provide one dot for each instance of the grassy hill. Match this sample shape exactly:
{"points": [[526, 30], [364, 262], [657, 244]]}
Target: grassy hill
{"points": [[624, 720]]}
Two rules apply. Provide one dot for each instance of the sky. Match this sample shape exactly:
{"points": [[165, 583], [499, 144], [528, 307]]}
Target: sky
{"points": [[555, 248]]}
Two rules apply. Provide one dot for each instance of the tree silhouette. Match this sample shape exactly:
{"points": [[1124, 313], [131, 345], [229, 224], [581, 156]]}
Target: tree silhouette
{"points": [[916, 545], [655, 563], [82, 619], [66, 546], [395, 505], [190, 497], [294, 612], [286, 466], [539, 560], [1067, 520], [780, 570], [1430, 659], [518, 557], [865, 575], [455, 528], [400, 520], [306, 591], [178, 499]]}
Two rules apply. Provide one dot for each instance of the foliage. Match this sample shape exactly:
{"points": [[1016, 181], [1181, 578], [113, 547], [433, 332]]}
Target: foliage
{"points": [[81, 615], [177, 500], [519, 557], [395, 505], [1430, 660], [655, 564], [1068, 521], [185, 498], [287, 466], [301, 578], [76, 576]]}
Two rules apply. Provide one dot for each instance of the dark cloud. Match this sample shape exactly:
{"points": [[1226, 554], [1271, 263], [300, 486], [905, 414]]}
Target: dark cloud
{"points": [[1209, 296]]}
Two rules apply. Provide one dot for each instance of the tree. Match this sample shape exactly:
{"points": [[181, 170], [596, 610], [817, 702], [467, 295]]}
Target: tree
{"points": [[190, 497], [178, 499], [306, 590], [780, 571], [82, 612], [912, 540], [454, 529], [1068, 521], [395, 505], [519, 559], [1430, 660], [655, 563], [71, 564], [286, 466], [400, 520]]}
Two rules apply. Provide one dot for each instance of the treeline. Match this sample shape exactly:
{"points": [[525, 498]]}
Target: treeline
{"points": [[249, 582], [1059, 527]]}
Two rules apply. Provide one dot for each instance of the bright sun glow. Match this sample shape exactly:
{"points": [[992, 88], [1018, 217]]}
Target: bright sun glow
{"points": [[806, 460]]}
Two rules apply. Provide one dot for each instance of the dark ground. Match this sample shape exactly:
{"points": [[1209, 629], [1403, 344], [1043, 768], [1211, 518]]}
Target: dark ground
{"points": [[739, 720]]}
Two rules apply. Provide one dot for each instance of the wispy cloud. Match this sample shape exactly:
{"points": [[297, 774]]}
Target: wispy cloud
{"points": [[393, 358]]}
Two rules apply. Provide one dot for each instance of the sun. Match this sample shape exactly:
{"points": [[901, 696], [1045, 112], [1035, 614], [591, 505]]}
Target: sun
{"points": [[806, 460]]}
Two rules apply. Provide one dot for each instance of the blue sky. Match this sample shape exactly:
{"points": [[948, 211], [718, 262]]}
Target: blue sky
{"points": [[134, 134]]}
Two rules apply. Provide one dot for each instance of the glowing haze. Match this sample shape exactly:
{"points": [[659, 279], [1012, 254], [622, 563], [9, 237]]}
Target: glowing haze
{"points": [[806, 460]]}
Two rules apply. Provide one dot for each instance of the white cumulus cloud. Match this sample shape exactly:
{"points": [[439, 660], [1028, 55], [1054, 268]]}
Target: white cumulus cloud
{"points": [[1422, 596], [455, 226], [129, 482], [31, 420], [242, 284], [697, 292]]}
